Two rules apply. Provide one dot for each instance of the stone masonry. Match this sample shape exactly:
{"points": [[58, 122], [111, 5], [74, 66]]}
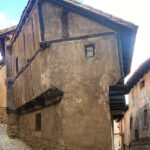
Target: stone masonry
{"points": [[3, 111], [3, 115]]}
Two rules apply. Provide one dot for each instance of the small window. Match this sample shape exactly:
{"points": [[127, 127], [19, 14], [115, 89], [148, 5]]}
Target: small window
{"points": [[132, 95], [90, 50], [17, 65], [136, 134], [142, 84], [130, 122], [38, 122], [145, 122]]}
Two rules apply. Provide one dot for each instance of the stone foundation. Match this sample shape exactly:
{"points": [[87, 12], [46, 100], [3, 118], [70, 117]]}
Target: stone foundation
{"points": [[127, 148], [39, 143], [12, 125], [12, 131], [3, 115], [141, 147]]}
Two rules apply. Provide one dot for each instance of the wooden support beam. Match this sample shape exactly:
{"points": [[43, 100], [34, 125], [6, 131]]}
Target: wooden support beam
{"points": [[46, 99]]}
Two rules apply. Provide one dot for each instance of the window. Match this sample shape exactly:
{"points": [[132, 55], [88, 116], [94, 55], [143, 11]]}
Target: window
{"points": [[38, 122], [17, 65], [90, 50], [136, 134], [145, 122], [142, 84], [132, 95], [130, 122]]}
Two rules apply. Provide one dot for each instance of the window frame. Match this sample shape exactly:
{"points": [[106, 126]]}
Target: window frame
{"points": [[142, 84], [131, 123], [17, 65], [145, 119], [38, 122], [136, 134], [86, 50]]}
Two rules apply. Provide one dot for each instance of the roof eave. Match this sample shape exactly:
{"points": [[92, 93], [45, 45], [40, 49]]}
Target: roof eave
{"points": [[7, 31], [138, 74]]}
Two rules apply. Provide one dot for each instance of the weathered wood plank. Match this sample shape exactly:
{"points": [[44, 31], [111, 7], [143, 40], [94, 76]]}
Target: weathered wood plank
{"points": [[36, 29]]}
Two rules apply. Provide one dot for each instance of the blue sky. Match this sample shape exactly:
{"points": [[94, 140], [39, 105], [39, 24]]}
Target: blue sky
{"points": [[10, 12], [12, 8]]}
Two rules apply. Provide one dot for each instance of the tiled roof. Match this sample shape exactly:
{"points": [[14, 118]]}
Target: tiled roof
{"points": [[139, 73], [7, 30], [74, 3], [101, 13]]}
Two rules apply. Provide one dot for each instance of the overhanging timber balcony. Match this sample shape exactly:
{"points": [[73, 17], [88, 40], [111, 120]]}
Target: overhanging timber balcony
{"points": [[50, 97], [117, 100]]}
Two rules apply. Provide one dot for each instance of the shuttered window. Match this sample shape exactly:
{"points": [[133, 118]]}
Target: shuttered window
{"points": [[16, 64], [38, 122], [145, 123]]}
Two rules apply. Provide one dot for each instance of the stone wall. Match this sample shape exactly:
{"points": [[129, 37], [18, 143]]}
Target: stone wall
{"points": [[118, 137], [139, 101], [124, 126], [141, 146], [38, 143], [48, 137], [3, 113], [127, 128], [127, 148], [2, 86]]}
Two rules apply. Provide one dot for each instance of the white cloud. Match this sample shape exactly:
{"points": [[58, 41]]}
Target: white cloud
{"points": [[5, 22], [136, 11]]}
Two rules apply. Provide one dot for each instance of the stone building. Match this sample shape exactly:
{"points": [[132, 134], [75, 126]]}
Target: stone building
{"points": [[118, 136], [3, 35], [124, 130], [66, 65], [139, 107]]}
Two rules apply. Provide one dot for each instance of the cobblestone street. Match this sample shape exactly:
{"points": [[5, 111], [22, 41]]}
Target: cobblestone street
{"points": [[10, 144]]}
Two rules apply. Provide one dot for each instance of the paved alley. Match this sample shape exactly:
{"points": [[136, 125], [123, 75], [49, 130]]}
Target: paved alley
{"points": [[10, 144]]}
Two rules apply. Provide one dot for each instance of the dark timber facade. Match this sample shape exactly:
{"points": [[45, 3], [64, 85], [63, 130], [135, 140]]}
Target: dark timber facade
{"points": [[66, 65]]}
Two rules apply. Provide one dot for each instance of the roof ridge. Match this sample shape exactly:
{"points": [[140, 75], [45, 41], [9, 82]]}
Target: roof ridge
{"points": [[85, 6], [106, 16]]}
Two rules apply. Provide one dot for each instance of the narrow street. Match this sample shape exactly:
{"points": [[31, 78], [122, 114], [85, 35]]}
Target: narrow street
{"points": [[10, 144]]}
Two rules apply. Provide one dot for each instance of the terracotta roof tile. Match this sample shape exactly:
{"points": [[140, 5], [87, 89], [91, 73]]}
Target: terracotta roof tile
{"points": [[7, 30]]}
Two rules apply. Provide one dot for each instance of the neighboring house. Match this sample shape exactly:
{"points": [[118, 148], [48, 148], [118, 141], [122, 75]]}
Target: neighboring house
{"points": [[139, 107], [4, 34], [66, 65], [124, 130], [118, 136]]}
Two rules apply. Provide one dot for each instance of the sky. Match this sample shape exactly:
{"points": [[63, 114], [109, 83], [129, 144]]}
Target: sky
{"points": [[10, 12], [135, 11]]}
